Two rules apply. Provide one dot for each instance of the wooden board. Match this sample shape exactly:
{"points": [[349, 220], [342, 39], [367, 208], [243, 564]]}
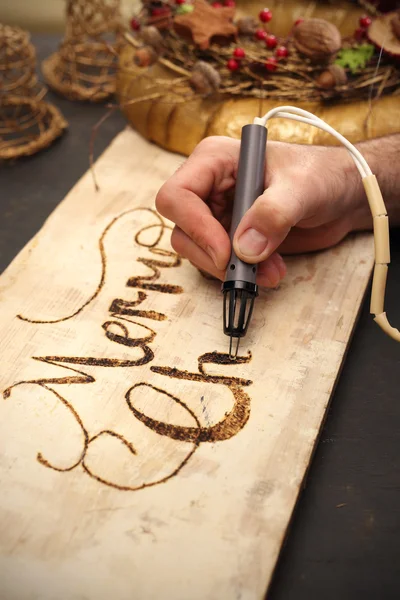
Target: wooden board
{"points": [[136, 462]]}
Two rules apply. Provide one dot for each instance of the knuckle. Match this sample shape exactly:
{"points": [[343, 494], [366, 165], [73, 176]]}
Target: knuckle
{"points": [[164, 200], [208, 143], [211, 145], [274, 217], [281, 220], [177, 242], [198, 235]]}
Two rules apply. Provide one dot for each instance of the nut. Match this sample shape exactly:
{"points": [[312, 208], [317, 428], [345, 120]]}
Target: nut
{"points": [[334, 76], [200, 83], [247, 26], [326, 80], [316, 38], [152, 37], [210, 74], [339, 74], [145, 56]]}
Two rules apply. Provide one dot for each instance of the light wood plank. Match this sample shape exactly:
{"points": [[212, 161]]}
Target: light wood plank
{"points": [[229, 454]]}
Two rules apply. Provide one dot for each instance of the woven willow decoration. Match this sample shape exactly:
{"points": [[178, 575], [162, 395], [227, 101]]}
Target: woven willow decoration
{"points": [[84, 68], [27, 122]]}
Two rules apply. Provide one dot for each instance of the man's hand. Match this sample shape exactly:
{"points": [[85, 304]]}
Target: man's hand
{"points": [[313, 198]]}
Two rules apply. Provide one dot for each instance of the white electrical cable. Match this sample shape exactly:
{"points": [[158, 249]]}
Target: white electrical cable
{"points": [[298, 114], [377, 206], [358, 163]]}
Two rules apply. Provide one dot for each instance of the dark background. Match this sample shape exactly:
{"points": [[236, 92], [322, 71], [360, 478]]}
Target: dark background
{"points": [[344, 541]]}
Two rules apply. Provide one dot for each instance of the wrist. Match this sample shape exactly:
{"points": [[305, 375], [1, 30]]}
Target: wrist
{"points": [[382, 156], [353, 192]]}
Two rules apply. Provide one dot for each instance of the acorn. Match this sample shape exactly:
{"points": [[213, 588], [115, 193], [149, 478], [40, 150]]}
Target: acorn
{"points": [[145, 56], [152, 37], [332, 77], [205, 79], [247, 26], [200, 84]]}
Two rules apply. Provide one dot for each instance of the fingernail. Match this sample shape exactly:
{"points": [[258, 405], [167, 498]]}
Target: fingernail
{"points": [[252, 243]]}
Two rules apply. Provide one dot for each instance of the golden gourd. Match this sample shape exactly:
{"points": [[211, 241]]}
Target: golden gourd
{"points": [[179, 127]]}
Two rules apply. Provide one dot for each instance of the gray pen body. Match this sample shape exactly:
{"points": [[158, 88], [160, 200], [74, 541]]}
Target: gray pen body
{"points": [[249, 186]]}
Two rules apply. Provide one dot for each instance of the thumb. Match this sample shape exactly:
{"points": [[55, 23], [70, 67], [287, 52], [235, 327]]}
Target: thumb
{"points": [[267, 223]]}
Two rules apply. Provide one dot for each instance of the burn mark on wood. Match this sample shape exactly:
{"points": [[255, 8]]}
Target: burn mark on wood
{"points": [[124, 311], [154, 265]]}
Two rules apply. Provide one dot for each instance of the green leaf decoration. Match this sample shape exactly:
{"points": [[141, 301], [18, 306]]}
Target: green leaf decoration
{"points": [[184, 9], [355, 58]]}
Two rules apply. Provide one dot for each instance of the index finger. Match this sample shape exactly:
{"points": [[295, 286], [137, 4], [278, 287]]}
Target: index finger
{"points": [[183, 199]]}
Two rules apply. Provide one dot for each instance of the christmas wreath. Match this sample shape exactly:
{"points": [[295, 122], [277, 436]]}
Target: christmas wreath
{"points": [[213, 51]]}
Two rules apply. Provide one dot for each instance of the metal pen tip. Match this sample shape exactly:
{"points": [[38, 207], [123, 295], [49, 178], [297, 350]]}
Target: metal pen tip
{"points": [[233, 351]]}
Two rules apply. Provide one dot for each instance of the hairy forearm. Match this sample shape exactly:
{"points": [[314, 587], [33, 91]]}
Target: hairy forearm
{"points": [[382, 155]]}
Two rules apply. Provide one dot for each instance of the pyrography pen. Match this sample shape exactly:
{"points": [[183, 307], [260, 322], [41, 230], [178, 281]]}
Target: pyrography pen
{"points": [[240, 287]]}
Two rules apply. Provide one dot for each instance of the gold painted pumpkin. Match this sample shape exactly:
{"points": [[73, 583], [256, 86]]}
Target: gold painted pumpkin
{"points": [[180, 126]]}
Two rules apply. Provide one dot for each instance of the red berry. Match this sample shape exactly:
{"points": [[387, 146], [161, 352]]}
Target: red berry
{"points": [[271, 64], [298, 22], [230, 3], [271, 41], [282, 52], [359, 34], [239, 53], [217, 5], [261, 34], [365, 21], [135, 24], [265, 15], [180, 2], [232, 64]]}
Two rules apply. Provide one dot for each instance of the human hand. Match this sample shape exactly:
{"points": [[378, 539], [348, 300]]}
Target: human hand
{"points": [[313, 199]]}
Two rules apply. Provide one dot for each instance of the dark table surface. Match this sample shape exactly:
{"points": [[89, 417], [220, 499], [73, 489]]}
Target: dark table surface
{"points": [[344, 540]]}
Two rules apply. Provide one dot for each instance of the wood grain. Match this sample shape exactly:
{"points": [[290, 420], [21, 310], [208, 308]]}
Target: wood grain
{"points": [[135, 461]]}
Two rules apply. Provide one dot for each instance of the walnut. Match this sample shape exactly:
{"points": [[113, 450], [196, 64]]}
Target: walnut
{"points": [[334, 76], [316, 38]]}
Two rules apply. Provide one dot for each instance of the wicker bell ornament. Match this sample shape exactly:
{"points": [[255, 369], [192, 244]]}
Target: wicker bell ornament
{"points": [[27, 122], [84, 68]]}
